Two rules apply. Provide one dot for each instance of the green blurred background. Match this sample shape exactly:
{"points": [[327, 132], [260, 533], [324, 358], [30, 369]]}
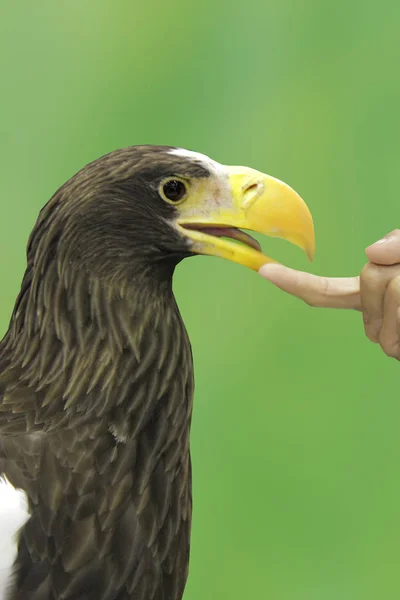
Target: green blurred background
{"points": [[295, 436]]}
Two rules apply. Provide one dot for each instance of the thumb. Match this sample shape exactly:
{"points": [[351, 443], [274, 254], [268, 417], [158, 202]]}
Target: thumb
{"points": [[385, 251]]}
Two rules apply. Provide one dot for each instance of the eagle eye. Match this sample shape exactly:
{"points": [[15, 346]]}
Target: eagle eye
{"points": [[173, 190]]}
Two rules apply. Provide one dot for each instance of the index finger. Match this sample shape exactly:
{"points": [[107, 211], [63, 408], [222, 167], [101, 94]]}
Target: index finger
{"points": [[328, 292]]}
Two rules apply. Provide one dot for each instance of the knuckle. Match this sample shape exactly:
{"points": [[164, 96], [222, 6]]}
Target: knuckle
{"points": [[370, 273], [318, 299], [325, 285]]}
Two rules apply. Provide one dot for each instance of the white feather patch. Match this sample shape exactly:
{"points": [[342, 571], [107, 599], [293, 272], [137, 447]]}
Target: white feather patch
{"points": [[208, 163], [13, 515]]}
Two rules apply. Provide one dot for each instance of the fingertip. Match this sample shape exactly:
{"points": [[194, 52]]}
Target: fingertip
{"points": [[377, 247], [271, 271], [385, 251]]}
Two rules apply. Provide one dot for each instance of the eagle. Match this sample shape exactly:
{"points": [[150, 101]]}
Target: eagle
{"points": [[96, 370]]}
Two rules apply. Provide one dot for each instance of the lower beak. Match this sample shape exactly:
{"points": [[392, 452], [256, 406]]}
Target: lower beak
{"points": [[256, 202]]}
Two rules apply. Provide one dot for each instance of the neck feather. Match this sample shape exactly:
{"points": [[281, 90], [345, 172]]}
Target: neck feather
{"points": [[82, 349]]}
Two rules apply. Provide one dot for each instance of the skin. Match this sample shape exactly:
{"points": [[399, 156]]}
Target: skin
{"points": [[375, 292]]}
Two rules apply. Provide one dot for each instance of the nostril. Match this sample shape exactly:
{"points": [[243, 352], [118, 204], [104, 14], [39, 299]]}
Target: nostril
{"points": [[251, 188]]}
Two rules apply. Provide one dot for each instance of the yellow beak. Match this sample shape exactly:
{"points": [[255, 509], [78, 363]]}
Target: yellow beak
{"points": [[253, 201]]}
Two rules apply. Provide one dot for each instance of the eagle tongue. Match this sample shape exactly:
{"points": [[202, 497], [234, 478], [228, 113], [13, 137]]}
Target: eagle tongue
{"points": [[233, 233]]}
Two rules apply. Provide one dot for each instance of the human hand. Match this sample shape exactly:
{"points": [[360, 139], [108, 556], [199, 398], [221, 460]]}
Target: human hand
{"points": [[376, 292]]}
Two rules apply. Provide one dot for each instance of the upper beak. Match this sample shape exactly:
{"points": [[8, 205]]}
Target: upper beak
{"points": [[256, 202]]}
